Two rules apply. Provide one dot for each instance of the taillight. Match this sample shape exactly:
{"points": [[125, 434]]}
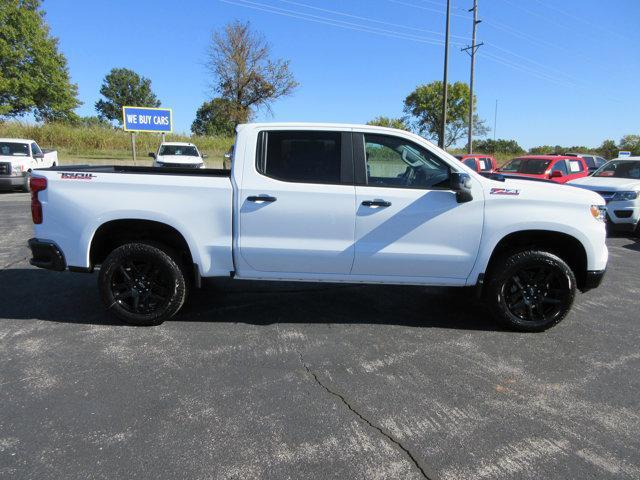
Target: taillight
{"points": [[36, 184]]}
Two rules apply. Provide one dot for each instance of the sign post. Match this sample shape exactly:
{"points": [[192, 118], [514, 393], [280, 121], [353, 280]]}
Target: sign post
{"points": [[146, 119]]}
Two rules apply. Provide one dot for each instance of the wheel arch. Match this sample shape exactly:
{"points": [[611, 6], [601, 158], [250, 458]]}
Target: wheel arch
{"points": [[566, 246], [114, 233]]}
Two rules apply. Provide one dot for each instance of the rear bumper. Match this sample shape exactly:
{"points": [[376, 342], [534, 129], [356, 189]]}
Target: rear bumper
{"points": [[593, 279], [46, 254], [7, 182]]}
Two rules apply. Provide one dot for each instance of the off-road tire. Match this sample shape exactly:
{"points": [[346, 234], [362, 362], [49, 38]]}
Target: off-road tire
{"points": [[526, 301], [150, 273]]}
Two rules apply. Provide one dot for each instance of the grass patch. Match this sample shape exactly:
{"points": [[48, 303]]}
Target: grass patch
{"points": [[107, 145]]}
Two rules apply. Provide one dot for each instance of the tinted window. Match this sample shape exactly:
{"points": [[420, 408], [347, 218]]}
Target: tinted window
{"points": [[395, 162], [512, 166], [620, 169], [179, 150], [560, 166], [600, 161], [14, 149], [471, 163], [35, 149], [535, 167], [305, 157], [590, 161]]}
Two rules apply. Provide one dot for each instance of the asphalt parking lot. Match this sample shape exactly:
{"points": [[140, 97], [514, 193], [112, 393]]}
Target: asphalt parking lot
{"points": [[291, 381]]}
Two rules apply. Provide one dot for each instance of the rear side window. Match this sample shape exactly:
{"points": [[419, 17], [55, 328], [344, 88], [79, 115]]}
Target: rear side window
{"points": [[485, 164], [590, 161], [302, 156], [576, 166]]}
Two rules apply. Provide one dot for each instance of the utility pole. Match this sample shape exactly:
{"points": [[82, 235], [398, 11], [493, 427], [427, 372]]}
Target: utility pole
{"points": [[445, 84], [472, 51], [495, 121]]}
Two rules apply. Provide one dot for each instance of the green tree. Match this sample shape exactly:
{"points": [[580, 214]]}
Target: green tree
{"points": [[34, 77], [631, 143], [424, 105], [123, 87], [388, 122], [214, 118], [244, 73], [500, 145], [608, 149]]}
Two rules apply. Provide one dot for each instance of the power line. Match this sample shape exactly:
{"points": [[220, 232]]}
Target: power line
{"points": [[332, 22], [367, 19]]}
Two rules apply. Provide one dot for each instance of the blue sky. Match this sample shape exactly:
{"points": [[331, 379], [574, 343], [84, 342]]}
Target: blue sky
{"points": [[562, 72]]}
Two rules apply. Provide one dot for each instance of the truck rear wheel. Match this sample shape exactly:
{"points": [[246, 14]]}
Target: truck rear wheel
{"points": [[142, 284], [530, 291]]}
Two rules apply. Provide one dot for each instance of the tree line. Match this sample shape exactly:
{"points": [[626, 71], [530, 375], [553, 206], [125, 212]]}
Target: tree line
{"points": [[34, 79]]}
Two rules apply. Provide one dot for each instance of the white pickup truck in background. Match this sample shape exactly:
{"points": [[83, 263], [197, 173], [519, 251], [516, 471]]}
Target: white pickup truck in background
{"points": [[178, 155], [18, 157], [322, 203]]}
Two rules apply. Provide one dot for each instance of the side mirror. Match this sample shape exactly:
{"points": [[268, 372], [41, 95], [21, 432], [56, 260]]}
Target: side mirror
{"points": [[38, 155], [556, 174], [204, 155], [461, 184], [152, 155]]}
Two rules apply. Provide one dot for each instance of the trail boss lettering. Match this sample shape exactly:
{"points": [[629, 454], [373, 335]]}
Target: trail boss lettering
{"points": [[77, 176]]}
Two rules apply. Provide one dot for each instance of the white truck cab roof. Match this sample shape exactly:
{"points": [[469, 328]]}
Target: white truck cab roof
{"points": [[16, 140]]}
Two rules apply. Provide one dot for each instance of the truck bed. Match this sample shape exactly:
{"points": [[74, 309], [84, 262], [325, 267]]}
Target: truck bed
{"points": [[199, 172]]}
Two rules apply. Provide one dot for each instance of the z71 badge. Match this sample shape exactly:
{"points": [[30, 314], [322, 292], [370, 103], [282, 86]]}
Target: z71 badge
{"points": [[504, 191], [77, 176]]}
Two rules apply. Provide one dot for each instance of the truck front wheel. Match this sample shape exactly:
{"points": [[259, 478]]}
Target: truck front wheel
{"points": [[142, 284], [530, 290]]}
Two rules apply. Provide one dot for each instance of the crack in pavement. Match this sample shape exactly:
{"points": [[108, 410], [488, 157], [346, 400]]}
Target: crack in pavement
{"points": [[11, 264], [397, 443]]}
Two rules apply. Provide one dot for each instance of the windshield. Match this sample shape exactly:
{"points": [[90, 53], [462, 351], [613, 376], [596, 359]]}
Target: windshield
{"points": [[14, 149], [180, 150], [620, 169], [530, 166]]}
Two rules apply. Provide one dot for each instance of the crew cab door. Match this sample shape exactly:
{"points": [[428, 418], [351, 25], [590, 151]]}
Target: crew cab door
{"points": [[296, 204], [408, 222]]}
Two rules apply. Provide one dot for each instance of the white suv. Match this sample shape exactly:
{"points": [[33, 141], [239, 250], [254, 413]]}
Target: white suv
{"points": [[618, 182], [178, 155]]}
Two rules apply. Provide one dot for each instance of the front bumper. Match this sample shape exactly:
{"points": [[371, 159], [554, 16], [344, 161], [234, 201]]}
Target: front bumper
{"points": [[593, 279], [46, 254], [624, 215]]}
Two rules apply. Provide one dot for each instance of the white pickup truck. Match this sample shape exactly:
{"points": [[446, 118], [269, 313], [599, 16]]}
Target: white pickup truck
{"points": [[18, 157], [178, 154], [322, 203]]}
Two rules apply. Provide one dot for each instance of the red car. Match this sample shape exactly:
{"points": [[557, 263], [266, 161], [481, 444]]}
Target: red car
{"points": [[558, 168], [479, 162]]}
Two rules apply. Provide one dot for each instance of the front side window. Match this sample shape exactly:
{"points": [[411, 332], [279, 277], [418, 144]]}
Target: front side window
{"points": [[471, 163], [620, 169], [513, 166], [560, 166], [535, 166], [300, 156], [179, 150], [395, 162], [35, 149]]}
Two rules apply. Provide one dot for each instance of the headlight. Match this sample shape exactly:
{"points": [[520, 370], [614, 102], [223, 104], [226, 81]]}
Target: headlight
{"points": [[623, 196], [17, 169], [599, 212]]}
